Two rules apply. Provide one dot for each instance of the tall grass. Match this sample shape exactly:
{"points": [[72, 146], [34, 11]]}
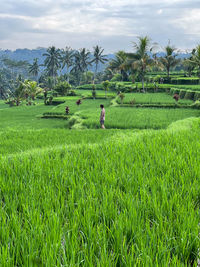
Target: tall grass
{"points": [[136, 118], [133, 201], [149, 98]]}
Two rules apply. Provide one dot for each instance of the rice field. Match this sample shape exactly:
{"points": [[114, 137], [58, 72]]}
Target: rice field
{"points": [[152, 98], [114, 197], [136, 118]]}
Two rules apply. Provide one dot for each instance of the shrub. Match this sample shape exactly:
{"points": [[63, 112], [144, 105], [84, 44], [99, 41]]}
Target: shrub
{"points": [[90, 87], [116, 78], [132, 101], [182, 93], [185, 80], [62, 88], [196, 104], [71, 93], [121, 95], [94, 91], [197, 96], [189, 95]]}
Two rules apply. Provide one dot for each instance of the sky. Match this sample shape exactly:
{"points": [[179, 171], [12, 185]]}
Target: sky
{"points": [[112, 24]]}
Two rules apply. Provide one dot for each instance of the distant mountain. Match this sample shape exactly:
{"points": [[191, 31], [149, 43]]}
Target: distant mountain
{"points": [[29, 55], [24, 54]]}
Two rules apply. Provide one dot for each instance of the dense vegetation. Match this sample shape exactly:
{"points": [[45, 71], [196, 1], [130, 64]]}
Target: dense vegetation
{"points": [[111, 198], [72, 194]]}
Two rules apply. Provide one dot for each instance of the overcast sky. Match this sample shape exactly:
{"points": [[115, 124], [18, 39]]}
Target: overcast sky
{"points": [[113, 24]]}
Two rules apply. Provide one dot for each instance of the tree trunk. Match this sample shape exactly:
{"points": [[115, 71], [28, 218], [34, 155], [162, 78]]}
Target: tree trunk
{"points": [[95, 73], [143, 85]]}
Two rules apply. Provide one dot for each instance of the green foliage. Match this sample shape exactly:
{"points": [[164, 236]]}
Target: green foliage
{"points": [[62, 88], [182, 93], [89, 87], [97, 213], [94, 197], [116, 78], [71, 93], [189, 95], [106, 85], [152, 98], [121, 96], [185, 80], [197, 96]]}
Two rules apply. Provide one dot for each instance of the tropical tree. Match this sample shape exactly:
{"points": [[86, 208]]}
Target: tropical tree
{"points": [[188, 63], [106, 85], [52, 61], [87, 77], [16, 67], [118, 64], [196, 58], [77, 68], [98, 58], [31, 89], [170, 59], [34, 68], [67, 59], [85, 59], [140, 60], [62, 88]]}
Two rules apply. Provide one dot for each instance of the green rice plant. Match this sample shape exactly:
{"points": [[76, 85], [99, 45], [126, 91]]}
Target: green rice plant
{"points": [[128, 201], [136, 118], [152, 98]]}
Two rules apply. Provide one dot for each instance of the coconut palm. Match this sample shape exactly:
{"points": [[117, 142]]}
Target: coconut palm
{"points": [[118, 64], [77, 68], [85, 59], [196, 58], [52, 61], [98, 58], [140, 60], [169, 60], [67, 59], [189, 64], [34, 68]]}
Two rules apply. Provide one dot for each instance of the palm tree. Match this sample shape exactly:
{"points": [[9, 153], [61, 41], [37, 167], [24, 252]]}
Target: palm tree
{"points": [[52, 61], [188, 63], [67, 59], [85, 59], [119, 64], [196, 58], [98, 58], [169, 60], [34, 68], [140, 59], [77, 68]]}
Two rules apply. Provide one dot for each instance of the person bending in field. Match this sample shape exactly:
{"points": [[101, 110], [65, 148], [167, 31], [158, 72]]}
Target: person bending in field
{"points": [[102, 116]]}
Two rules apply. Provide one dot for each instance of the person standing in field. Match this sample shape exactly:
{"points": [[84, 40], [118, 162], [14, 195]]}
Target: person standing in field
{"points": [[102, 116]]}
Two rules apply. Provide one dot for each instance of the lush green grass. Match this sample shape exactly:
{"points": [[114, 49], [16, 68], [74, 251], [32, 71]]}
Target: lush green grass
{"points": [[14, 141], [27, 117], [149, 98], [86, 104], [3, 105], [145, 118], [99, 197], [130, 201]]}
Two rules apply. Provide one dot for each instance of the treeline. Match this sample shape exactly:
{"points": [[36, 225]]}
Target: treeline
{"points": [[74, 66]]}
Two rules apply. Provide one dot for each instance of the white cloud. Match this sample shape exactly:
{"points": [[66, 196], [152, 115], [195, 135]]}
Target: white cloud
{"points": [[34, 23]]}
